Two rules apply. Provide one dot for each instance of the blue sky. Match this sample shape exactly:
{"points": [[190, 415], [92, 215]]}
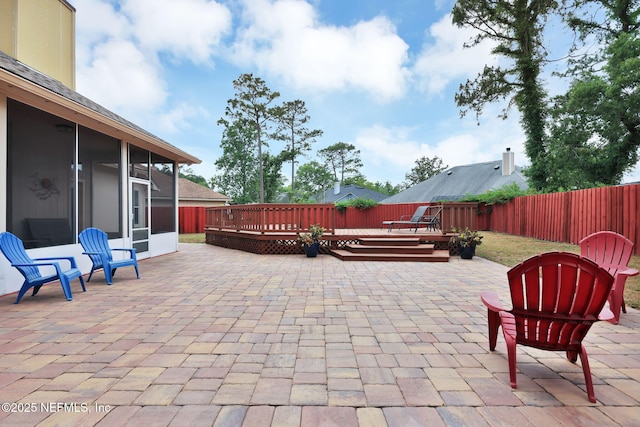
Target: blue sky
{"points": [[378, 74]]}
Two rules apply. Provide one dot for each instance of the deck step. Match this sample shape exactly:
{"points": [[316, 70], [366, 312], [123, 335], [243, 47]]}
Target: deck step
{"points": [[436, 256], [389, 241], [402, 249]]}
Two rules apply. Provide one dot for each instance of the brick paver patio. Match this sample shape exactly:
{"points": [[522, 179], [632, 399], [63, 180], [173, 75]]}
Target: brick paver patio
{"points": [[211, 336]]}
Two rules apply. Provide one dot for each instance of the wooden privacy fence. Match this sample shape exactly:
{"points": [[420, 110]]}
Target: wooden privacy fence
{"points": [[192, 219], [568, 217]]}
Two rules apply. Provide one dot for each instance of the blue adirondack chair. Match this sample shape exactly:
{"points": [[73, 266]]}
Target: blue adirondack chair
{"points": [[95, 243], [14, 251]]}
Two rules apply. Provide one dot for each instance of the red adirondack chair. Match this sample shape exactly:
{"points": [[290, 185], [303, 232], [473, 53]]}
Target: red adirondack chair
{"points": [[611, 251], [556, 297]]}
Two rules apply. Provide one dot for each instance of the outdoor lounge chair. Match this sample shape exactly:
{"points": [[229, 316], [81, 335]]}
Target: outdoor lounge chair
{"points": [[14, 251], [95, 243], [556, 297], [49, 232], [611, 251], [419, 217]]}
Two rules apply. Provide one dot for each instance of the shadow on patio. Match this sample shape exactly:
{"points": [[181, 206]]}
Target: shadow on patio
{"points": [[211, 335]]}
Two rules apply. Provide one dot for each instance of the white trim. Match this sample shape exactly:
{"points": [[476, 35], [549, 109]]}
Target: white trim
{"points": [[4, 145]]}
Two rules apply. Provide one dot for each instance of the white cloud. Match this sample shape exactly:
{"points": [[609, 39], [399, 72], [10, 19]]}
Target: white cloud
{"points": [[633, 175], [178, 117], [392, 147], [285, 38], [117, 53], [447, 60], [121, 78], [97, 20], [189, 29], [386, 151]]}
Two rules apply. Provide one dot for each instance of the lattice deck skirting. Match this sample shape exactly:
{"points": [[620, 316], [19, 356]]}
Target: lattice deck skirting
{"points": [[287, 243]]}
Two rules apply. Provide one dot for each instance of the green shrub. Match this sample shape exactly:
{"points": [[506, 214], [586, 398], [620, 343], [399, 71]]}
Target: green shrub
{"points": [[342, 206], [362, 203], [499, 196], [359, 203]]}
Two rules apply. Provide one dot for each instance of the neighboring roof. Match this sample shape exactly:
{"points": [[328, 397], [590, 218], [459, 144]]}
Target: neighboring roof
{"points": [[189, 190], [458, 182], [161, 184], [31, 87], [348, 192]]}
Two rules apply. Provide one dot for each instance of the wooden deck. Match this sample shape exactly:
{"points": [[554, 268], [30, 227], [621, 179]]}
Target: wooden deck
{"points": [[275, 243]]}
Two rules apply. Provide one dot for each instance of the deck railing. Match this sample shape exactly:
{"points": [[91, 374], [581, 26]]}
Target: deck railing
{"points": [[291, 218], [267, 217]]}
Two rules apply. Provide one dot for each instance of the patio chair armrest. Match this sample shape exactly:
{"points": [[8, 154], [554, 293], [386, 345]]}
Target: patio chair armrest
{"points": [[104, 257], [606, 314], [53, 264], [492, 301], [130, 250], [628, 272], [71, 260], [33, 264]]}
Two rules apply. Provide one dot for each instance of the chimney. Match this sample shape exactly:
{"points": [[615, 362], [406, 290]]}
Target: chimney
{"points": [[336, 187], [508, 162]]}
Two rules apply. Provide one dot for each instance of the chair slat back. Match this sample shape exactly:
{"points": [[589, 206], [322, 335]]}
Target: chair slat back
{"points": [[556, 297], [95, 240], [14, 251], [419, 213], [611, 251]]}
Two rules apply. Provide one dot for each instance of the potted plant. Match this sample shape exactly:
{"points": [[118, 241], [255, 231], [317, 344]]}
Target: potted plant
{"points": [[311, 240], [466, 240]]}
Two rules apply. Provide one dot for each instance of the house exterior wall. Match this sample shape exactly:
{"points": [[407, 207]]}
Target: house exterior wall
{"points": [[37, 69], [103, 193], [41, 34], [86, 191], [3, 163]]}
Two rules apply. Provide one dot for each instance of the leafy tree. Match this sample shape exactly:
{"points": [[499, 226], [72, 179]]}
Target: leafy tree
{"points": [[424, 169], [596, 124], [238, 164], [386, 188], [273, 179], [354, 179], [251, 107], [342, 159], [187, 173], [313, 178], [292, 118], [516, 26], [381, 187]]}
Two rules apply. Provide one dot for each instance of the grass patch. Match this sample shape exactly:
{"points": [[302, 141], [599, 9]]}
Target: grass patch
{"points": [[191, 238], [510, 250]]}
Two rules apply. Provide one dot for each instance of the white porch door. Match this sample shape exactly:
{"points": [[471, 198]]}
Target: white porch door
{"points": [[139, 215]]}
